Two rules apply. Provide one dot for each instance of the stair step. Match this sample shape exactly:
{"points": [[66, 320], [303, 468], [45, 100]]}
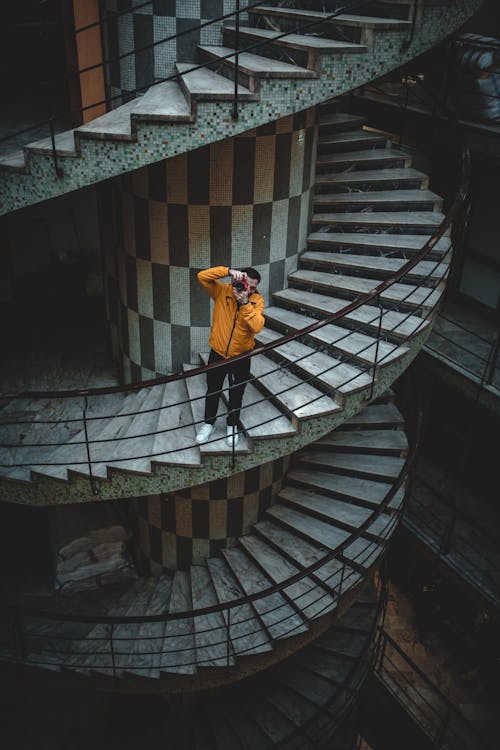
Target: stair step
{"points": [[197, 387], [395, 325], [372, 177], [125, 635], [364, 492], [164, 102], [300, 42], [365, 159], [363, 553], [145, 654], [338, 121], [212, 648], [377, 442], [206, 85], [332, 510], [13, 162], [378, 468], [64, 142], [179, 648], [174, 442], [358, 347], [114, 125], [331, 373], [300, 400], [396, 244], [376, 416], [404, 295], [280, 619], [369, 265], [342, 19], [246, 633], [308, 597], [260, 418], [380, 200], [350, 140], [399, 221], [255, 66]]}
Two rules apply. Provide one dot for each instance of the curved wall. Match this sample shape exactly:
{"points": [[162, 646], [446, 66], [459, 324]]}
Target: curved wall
{"points": [[239, 202]]}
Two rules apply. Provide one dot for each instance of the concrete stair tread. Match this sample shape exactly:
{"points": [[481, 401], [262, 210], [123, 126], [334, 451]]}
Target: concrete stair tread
{"points": [[257, 65], [374, 197], [207, 85], [261, 420], [116, 124], [331, 372], [371, 176], [377, 442], [339, 120], [196, 386], [247, 634], [211, 636], [393, 243], [365, 492], [13, 162], [64, 142], [357, 346], [327, 508], [355, 138], [399, 293], [174, 442], [144, 659], [376, 416], [304, 42], [363, 157], [378, 264], [163, 102], [342, 19], [394, 324], [179, 648], [279, 617], [312, 600], [264, 716], [381, 468], [301, 400], [429, 220]]}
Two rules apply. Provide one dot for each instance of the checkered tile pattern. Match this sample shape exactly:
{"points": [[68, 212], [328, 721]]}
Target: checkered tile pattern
{"points": [[141, 27], [243, 201], [176, 530]]}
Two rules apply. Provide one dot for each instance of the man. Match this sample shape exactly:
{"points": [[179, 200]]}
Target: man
{"points": [[237, 316]]}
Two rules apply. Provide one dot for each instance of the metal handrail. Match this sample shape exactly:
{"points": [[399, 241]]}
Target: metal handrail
{"points": [[450, 710]]}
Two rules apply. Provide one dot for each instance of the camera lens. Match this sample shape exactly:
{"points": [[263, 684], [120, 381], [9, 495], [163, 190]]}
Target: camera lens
{"points": [[240, 286]]}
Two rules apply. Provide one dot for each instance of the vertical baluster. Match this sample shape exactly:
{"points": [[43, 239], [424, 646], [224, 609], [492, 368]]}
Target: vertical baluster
{"points": [[235, 113]]}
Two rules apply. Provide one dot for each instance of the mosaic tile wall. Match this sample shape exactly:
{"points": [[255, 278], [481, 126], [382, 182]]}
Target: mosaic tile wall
{"points": [[142, 27], [178, 529], [99, 160], [241, 202]]}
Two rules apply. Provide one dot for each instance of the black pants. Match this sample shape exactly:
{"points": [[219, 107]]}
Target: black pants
{"points": [[238, 373]]}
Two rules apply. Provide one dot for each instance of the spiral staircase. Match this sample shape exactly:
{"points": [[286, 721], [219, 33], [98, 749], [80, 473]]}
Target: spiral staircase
{"points": [[354, 314]]}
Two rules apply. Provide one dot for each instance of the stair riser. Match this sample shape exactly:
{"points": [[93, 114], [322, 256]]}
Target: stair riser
{"points": [[328, 29], [373, 225], [378, 162], [326, 128], [336, 247], [226, 68], [331, 493], [363, 450], [368, 273], [346, 472], [305, 59]]}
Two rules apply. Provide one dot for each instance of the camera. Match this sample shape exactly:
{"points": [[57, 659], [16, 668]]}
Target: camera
{"points": [[241, 285]]}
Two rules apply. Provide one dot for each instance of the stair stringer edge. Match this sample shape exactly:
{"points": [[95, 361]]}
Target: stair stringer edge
{"points": [[122, 485], [155, 142]]}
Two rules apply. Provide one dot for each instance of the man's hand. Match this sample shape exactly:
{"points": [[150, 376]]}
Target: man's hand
{"points": [[241, 297], [236, 275]]}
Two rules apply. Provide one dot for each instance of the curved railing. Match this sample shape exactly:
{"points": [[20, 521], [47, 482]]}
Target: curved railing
{"points": [[374, 297], [23, 644]]}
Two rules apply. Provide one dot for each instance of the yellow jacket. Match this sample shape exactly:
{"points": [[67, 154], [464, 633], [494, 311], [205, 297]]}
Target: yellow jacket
{"points": [[233, 325]]}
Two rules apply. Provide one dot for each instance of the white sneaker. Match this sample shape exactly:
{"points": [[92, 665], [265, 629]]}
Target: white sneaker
{"points": [[204, 433], [232, 436]]}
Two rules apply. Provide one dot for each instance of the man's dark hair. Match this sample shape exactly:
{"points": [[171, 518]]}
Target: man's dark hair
{"points": [[252, 273]]}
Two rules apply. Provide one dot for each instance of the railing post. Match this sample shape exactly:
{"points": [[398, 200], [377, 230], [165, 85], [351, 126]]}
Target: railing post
{"points": [[112, 648], [93, 484], [58, 169], [377, 346], [235, 113]]}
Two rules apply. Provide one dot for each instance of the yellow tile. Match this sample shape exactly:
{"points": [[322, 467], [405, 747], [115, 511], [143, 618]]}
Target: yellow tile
{"points": [[200, 492], [221, 173], [217, 519], [199, 236], [266, 475], [236, 485], [284, 124], [264, 168]]}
